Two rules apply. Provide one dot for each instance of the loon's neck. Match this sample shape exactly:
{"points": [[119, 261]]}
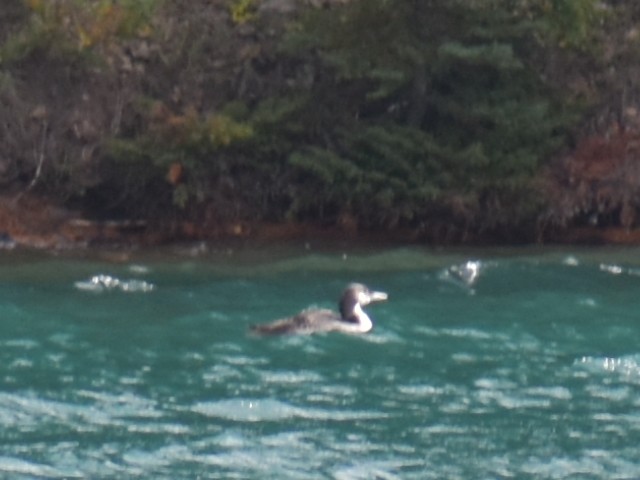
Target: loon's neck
{"points": [[359, 319]]}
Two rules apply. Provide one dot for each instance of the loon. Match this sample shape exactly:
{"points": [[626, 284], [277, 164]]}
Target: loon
{"points": [[351, 319]]}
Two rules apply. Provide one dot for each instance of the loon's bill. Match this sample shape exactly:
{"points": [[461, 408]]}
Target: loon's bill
{"points": [[350, 319]]}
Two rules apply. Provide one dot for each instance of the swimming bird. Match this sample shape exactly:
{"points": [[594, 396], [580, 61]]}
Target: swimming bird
{"points": [[351, 319]]}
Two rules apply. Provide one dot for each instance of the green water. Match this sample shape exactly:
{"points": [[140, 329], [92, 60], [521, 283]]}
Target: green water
{"points": [[144, 368]]}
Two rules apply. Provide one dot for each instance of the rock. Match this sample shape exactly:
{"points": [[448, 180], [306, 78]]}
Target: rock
{"points": [[6, 241]]}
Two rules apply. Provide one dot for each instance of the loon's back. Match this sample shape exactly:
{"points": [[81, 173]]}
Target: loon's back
{"points": [[307, 321]]}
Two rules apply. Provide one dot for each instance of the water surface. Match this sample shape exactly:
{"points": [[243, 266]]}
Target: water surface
{"points": [[144, 368]]}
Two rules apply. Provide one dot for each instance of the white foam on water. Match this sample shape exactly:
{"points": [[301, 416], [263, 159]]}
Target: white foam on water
{"points": [[16, 466], [269, 410], [107, 283]]}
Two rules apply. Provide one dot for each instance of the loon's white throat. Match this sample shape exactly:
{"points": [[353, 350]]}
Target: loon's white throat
{"points": [[364, 323]]}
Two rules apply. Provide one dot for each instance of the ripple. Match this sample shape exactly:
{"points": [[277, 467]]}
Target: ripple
{"points": [[139, 269], [20, 363], [221, 374], [588, 302], [421, 390], [124, 405], [106, 283], [289, 377], [261, 410], [557, 393], [612, 269], [23, 343], [610, 394], [512, 402], [564, 467], [165, 456], [571, 261], [382, 336], [462, 332], [615, 269], [507, 394], [159, 428], [625, 368], [26, 412], [378, 469], [16, 466]]}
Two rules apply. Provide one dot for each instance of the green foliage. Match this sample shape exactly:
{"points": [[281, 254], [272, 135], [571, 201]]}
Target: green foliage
{"points": [[392, 112], [438, 106], [493, 55], [243, 11], [571, 22], [385, 174], [68, 27], [204, 147]]}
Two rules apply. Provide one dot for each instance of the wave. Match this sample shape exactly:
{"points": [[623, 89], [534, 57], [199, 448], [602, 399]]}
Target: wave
{"points": [[105, 283], [265, 410], [625, 368], [15, 466]]}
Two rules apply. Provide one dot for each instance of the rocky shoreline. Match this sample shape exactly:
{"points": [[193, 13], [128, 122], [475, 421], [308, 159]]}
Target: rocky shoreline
{"points": [[30, 222]]}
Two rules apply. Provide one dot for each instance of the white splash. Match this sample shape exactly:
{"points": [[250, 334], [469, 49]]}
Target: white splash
{"points": [[263, 410], [612, 269], [101, 283], [464, 275], [571, 261]]}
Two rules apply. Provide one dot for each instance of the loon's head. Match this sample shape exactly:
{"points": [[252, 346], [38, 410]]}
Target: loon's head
{"points": [[356, 296]]}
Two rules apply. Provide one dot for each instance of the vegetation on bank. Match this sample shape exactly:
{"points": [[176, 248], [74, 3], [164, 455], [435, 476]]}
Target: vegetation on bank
{"points": [[454, 118]]}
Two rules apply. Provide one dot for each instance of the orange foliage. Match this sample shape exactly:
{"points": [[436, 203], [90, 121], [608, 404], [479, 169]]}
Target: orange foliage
{"points": [[598, 157], [172, 127], [174, 175], [601, 180]]}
